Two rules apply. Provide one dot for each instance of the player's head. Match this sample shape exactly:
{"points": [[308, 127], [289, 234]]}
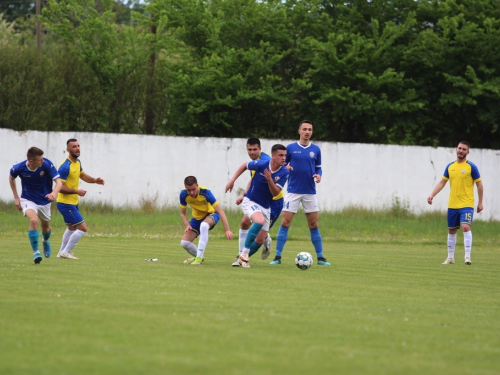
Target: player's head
{"points": [[305, 129], [191, 185], [34, 156], [463, 150], [253, 148], [278, 154], [73, 147]]}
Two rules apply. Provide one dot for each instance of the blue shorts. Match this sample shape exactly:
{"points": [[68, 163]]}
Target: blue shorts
{"points": [[195, 223], [457, 216], [70, 214], [276, 208]]}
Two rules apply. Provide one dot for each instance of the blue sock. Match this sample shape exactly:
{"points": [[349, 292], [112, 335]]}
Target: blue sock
{"points": [[46, 236], [254, 248], [33, 235], [252, 234], [317, 242], [281, 240]]}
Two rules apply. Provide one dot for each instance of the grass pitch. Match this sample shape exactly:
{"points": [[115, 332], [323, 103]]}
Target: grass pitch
{"points": [[386, 307]]}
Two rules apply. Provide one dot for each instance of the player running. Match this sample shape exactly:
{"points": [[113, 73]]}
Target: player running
{"points": [[255, 153], [269, 179], [206, 214], [37, 175], [71, 172]]}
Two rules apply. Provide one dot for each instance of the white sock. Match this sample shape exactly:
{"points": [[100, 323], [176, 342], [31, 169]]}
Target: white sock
{"points": [[189, 247], [66, 235], [202, 243], [242, 238], [73, 240], [468, 243], [452, 240]]}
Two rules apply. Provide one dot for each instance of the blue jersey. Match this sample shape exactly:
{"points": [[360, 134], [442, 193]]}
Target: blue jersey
{"points": [[259, 189], [306, 162], [35, 184]]}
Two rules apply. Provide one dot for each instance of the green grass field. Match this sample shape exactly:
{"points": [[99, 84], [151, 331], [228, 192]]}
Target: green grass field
{"points": [[385, 306]]}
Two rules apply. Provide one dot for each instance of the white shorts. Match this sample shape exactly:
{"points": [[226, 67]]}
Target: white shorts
{"points": [[309, 202], [249, 208], [43, 211]]}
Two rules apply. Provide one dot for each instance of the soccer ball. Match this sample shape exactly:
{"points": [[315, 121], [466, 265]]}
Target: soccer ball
{"points": [[303, 260]]}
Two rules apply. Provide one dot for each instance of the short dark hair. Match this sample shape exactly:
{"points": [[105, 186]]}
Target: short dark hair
{"points": [[190, 180], [253, 141], [71, 140], [277, 147], [305, 122], [33, 152], [465, 143]]}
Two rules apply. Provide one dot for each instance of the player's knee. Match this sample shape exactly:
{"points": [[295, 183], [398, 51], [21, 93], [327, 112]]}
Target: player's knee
{"points": [[204, 226], [185, 244], [34, 223]]}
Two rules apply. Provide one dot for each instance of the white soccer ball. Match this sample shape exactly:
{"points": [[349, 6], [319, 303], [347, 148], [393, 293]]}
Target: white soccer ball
{"points": [[303, 260]]}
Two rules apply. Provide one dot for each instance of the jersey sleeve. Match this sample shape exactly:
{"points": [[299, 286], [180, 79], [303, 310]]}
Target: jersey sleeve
{"points": [[257, 165], [210, 197], [14, 172], [446, 175], [475, 173], [64, 170], [182, 198], [288, 155], [318, 163], [53, 173], [282, 181]]}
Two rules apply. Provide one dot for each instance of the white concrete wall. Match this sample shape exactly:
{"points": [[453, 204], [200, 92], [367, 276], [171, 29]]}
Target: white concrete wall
{"points": [[139, 167]]}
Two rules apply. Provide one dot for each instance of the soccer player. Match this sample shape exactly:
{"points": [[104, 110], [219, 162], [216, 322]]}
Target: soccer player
{"points": [[462, 175], [268, 181], [255, 153], [71, 172], [37, 175], [304, 161], [206, 214]]}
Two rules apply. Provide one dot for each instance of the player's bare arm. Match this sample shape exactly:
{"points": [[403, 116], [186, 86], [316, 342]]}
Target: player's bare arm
{"points": [[225, 223], [67, 190], [185, 220], [480, 190], [440, 185], [17, 201], [91, 180], [230, 185], [52, 195], [275, 189]]}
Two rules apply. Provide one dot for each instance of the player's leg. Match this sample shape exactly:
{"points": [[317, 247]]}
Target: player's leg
{"points": [[453, 225], [77, 226], [188, 238], [243, 232], [44, 215], [310, 206], [207, 224], [466, 215], [290, 208], [276, 208], [262, 235], [30, 210], [258, 218]]}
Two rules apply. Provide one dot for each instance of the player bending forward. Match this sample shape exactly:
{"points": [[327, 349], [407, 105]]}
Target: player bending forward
{"points": [[206, 214]]}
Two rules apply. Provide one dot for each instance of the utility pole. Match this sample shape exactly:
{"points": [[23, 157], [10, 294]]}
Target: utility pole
{"points": [[38, 27]]}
